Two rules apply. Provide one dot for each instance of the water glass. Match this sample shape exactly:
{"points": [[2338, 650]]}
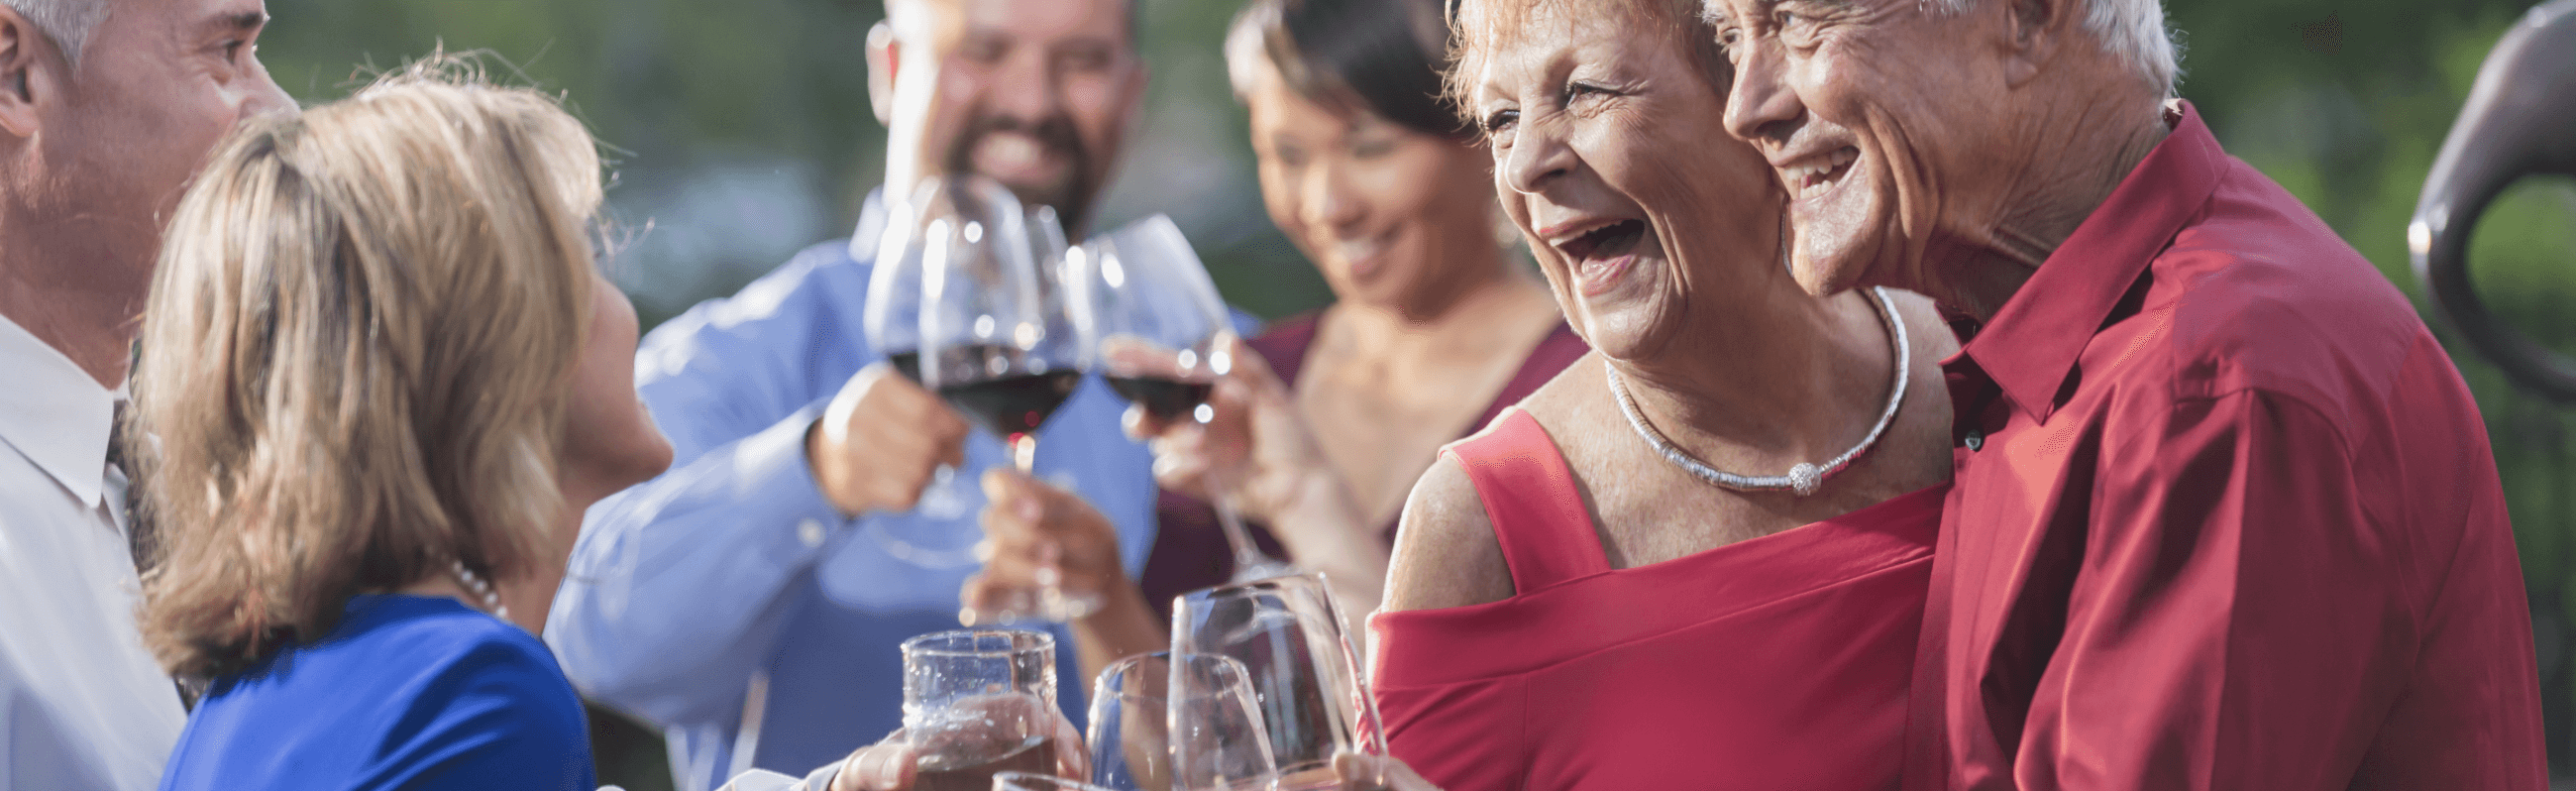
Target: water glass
{"points": [[977, 702]]}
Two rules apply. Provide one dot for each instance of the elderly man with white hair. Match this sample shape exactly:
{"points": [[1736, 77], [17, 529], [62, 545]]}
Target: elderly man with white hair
{"points": [[2225, 516], [106, 108]]}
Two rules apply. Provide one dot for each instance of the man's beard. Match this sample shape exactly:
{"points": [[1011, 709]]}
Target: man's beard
{"points": [[1071, 194]]}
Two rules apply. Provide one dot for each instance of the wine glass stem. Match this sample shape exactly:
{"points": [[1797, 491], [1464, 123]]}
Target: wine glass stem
{"points": [[1024, 452], [1247, 555]]}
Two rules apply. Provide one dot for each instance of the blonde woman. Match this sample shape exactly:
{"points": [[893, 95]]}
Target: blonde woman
{"points": [[384, 378]]}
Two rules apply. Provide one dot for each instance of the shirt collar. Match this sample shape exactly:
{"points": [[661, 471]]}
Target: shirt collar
{"points": [[55, 414], [2032, 343]]}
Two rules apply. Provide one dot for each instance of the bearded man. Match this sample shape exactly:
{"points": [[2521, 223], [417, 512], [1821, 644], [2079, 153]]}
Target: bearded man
{"points": [[751, 601], [2225, 516]]}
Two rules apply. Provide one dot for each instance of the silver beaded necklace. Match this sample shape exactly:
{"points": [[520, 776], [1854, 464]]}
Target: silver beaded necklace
{"points": [[1805, 477]]}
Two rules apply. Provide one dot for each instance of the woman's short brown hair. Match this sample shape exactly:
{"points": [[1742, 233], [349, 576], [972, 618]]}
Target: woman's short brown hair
{"points": [[356, 356]]}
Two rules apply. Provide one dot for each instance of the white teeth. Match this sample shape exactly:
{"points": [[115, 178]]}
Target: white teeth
{"points": [[1360, 250], [1012, 150], [1808, 180]]}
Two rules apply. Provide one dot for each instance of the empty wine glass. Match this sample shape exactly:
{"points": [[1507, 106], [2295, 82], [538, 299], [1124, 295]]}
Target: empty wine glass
{"points": [[1288, 635], [988, 343], [1024, 781], [977, 702], [1131, 747], [1154, 328], [1210, 730], [1218, 739]]}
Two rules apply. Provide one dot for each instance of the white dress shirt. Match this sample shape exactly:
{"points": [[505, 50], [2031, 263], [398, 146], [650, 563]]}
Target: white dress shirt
{"points": [[82, 705]]}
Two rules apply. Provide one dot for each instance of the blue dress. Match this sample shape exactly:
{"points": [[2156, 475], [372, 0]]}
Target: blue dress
{"points": [[409, 692]]}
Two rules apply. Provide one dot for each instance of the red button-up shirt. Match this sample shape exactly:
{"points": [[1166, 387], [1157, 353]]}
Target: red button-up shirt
{"points": [[2225, 518]]}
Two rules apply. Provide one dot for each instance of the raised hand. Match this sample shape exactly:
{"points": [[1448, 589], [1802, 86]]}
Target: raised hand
{"points": [[1039, 538], [880, 441]]}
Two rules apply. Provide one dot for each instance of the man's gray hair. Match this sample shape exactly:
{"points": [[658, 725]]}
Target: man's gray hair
{"points": [[2134, 30], [67, 22]]}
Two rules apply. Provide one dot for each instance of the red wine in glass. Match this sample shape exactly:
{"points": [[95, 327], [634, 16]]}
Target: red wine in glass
{"points": [[908, 364], [1167, 400]]}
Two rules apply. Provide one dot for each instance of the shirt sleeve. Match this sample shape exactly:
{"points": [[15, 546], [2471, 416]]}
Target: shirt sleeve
{"points": [[678, 587], [2238, 619]]}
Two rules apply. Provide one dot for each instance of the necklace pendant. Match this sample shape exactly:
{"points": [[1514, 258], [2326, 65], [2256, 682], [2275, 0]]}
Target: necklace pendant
{"points": [[1804, 479]]}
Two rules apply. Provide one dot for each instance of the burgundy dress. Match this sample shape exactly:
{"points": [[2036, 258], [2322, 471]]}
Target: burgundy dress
{"points": [[1189, 549], [1777, 663]]}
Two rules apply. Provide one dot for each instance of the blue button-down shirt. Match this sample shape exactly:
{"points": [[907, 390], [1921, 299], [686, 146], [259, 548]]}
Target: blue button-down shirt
{"points": [[730, 590]]}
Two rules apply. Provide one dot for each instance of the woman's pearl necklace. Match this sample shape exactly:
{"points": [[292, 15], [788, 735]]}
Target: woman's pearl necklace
{"points": [[1804, 478], [480, 587]]}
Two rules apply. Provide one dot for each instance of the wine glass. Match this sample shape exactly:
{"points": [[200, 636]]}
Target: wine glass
{"points": [[1288, 635], [1024, 781], [892, 319], [988, 340], [1211, 731], [1218, 739], [977, 702], [1154, 328]]}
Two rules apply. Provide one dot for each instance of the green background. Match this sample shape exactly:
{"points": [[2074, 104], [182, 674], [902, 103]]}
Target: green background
{"points": [[744, 133]]}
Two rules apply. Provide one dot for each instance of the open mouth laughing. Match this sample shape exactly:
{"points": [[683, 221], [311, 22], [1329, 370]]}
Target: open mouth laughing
{"points": [[1813, 176], [1600, 251]]}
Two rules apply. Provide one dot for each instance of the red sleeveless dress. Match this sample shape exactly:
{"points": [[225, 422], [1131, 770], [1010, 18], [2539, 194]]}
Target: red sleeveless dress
{"points": [[1776, 664]]}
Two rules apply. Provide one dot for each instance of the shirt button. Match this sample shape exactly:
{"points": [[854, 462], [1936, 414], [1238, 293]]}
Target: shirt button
{"points": [[1976, 441], [810, 532]]}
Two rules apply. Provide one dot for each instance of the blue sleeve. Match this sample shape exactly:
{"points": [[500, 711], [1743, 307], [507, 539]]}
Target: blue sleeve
{"points": [[498, 716], [677, 588]]}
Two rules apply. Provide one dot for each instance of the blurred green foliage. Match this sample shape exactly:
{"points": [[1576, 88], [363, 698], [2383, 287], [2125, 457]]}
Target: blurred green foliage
{"points": [[746, 133]]}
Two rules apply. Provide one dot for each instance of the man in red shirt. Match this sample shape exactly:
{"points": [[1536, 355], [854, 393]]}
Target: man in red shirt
{"points": [[2225, 515]]}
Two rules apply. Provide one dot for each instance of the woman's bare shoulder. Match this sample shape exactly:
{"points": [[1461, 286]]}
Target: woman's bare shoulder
{"points": [[1445, 552]]}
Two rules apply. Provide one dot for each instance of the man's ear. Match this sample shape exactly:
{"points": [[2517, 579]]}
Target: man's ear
{"points": [[884, 52], [2039, 29], [22, 48]]}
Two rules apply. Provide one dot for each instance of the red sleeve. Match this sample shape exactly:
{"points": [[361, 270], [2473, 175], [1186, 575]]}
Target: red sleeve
{"points": [[2239, 620]]}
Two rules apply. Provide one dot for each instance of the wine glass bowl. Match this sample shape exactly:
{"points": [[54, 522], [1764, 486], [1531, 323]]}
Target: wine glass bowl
{"points": [[985, 317], [1161, 723], [1287, 634], [1154, 328]]}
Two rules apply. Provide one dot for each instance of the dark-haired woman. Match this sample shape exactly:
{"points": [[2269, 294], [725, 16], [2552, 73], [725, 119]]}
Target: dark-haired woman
{"points": [[1435, 328]]}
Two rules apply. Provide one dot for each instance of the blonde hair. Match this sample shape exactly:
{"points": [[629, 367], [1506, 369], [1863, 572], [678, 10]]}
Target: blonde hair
{"points": [[356, 356], [1477, 26]]}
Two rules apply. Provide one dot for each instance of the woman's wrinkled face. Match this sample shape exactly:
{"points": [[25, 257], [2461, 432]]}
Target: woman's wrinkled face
{"points": [[1379, 207], [1610, 154]]}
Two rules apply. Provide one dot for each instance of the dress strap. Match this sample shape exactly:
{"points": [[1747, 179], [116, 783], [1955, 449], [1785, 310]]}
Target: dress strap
{"points": [[1530, 496]]}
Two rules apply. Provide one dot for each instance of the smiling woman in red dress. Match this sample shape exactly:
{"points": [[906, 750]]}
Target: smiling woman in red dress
{"points": [[1699, 556]]}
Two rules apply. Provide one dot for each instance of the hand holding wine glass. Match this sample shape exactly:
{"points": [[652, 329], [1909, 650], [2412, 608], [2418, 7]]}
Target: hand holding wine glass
{"points": [[1155, 329], [981, 701], [1040, 536]]}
